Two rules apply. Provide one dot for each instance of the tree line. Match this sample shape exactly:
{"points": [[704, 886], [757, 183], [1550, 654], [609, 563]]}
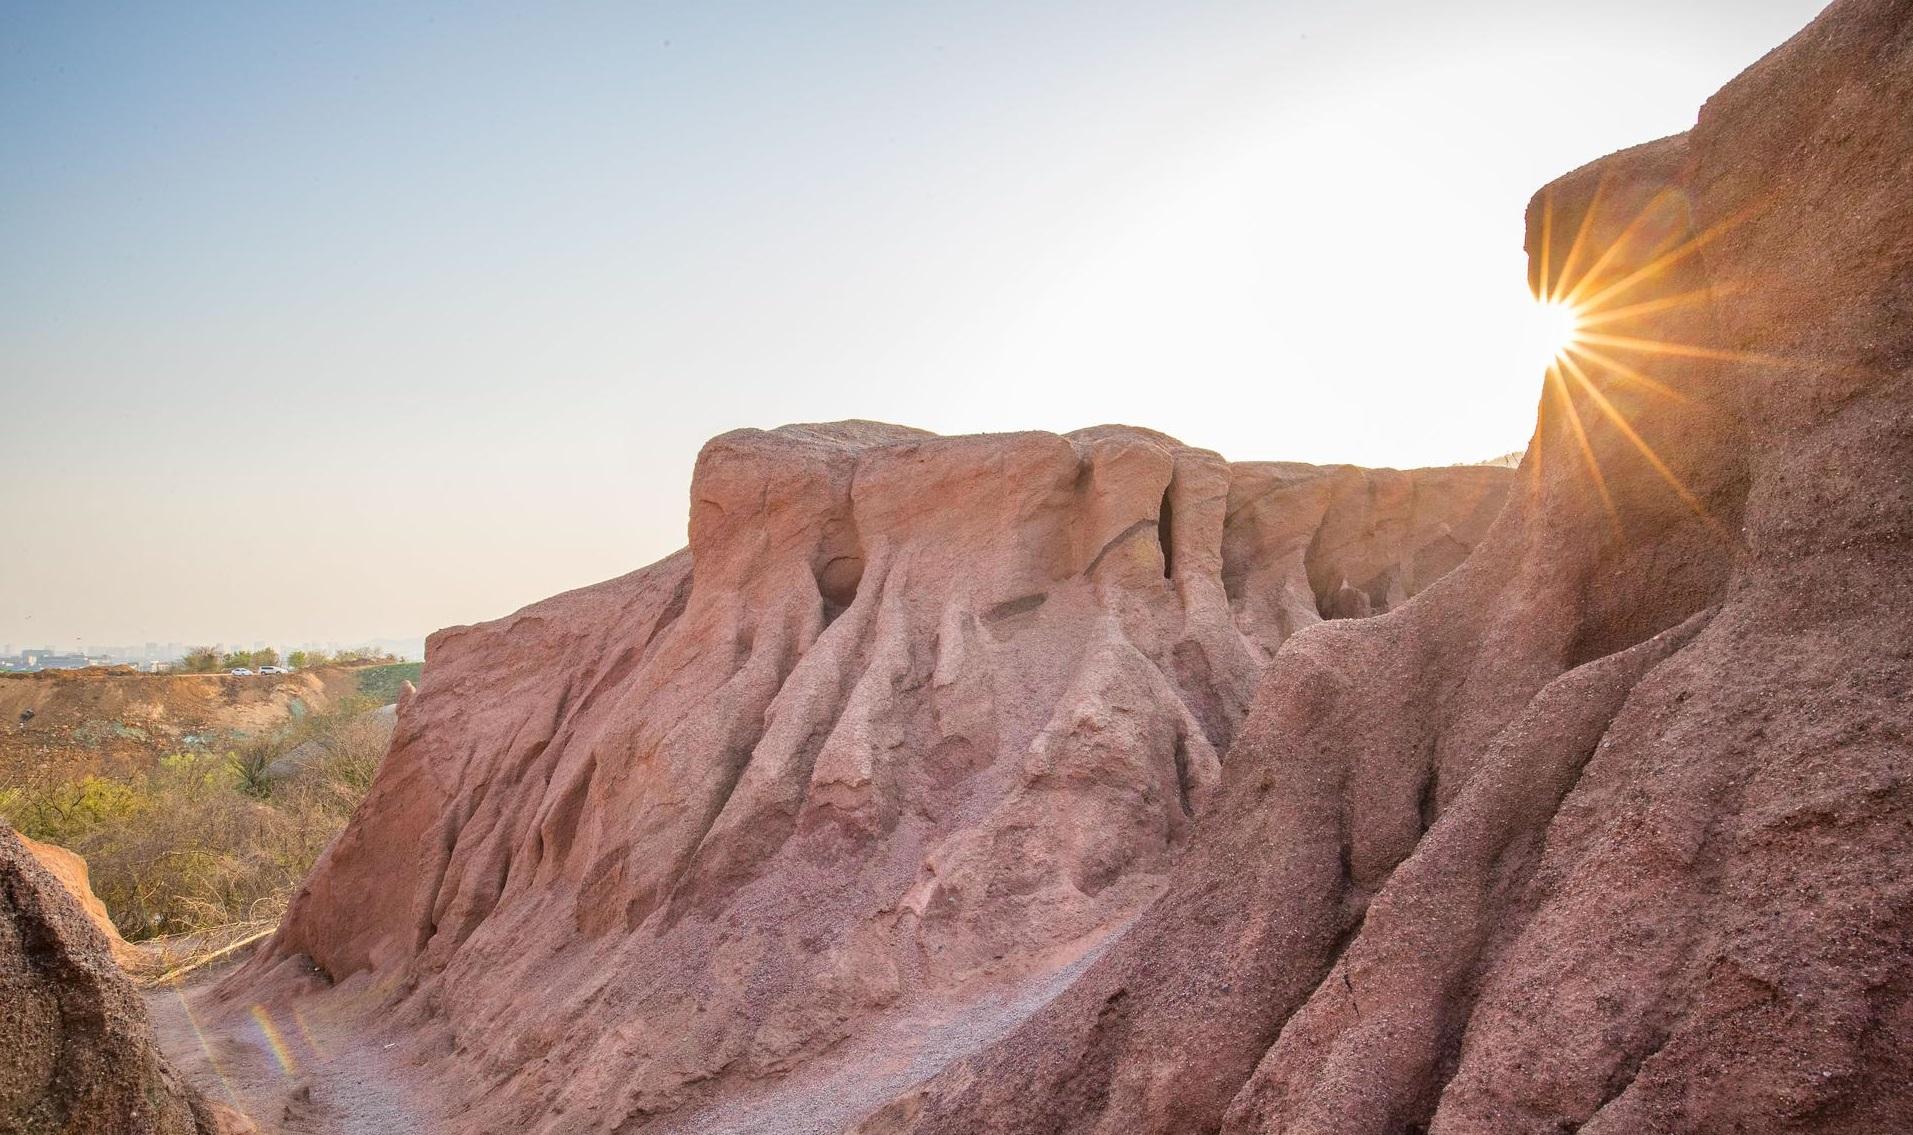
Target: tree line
{"points": [[207, 660]]}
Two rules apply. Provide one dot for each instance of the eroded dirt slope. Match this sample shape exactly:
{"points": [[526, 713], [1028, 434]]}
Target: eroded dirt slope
{"points": [[105, 719]]}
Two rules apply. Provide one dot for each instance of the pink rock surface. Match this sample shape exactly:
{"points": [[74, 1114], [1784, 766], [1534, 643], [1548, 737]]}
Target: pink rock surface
{"points": [[69, 868], [77, 1052], [914, 720], [1607, 832]]}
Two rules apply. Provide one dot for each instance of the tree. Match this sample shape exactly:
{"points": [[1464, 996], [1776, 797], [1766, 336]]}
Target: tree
{"points": [[199, 660]]}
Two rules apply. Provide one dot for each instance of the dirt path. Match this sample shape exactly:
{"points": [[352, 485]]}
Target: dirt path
{"points": [[302, 1067], [294, 1068]]}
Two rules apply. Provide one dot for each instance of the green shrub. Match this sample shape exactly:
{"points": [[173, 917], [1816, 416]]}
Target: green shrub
{"points": [[383, 682], [251, 767], [198, 660], [61, 813]]}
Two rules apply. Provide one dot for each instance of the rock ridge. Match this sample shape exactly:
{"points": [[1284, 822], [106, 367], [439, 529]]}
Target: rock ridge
{"points": [[912, 719]]}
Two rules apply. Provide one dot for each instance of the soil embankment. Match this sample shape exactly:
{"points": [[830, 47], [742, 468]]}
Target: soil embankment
{"points": [[65, 723]]}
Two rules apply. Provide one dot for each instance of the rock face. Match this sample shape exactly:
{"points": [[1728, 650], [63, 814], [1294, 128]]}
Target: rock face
{"points": [[1608, 831], [914, 719], [68, 868], [76, 1050]]}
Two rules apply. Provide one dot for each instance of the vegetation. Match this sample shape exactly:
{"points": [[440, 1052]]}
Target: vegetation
{"points": [[307, 659], [382, 682], [206, 660], [213, 836], [198, 660]]}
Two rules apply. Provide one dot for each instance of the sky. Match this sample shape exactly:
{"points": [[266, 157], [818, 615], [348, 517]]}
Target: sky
{"points": [[332, 321]]}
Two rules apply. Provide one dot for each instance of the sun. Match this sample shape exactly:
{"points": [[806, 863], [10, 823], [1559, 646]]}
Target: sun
{"points": [[1554, 328], [1587, 325]]}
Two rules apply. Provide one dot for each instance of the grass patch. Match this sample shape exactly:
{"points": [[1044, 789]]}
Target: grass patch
{"points": [[214, 836], [383, 682]]}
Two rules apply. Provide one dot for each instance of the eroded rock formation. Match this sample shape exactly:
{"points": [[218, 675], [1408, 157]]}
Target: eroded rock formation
{"points": [[913, 719], [1608, 831], [77, 1053], [68, 868]]}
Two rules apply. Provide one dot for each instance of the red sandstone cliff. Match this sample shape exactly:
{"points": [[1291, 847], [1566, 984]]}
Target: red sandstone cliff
{"points": [[1607, 832], [914, 722]]}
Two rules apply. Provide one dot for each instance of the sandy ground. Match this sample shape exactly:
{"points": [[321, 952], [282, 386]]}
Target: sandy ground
{"points": [[302, 1068], [842, 1086]]}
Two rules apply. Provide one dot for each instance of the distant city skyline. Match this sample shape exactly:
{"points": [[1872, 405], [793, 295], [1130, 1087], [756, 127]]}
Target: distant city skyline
{"points": [[321, 322], [26, 655]]}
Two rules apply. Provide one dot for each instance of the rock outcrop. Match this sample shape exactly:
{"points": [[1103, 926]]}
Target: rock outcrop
{"points": [[914, 721], [77, 1053], [68, 868], [1608, 831]]}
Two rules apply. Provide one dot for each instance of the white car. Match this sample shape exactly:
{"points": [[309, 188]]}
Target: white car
{"points": [[274, 670], [241, 672]]}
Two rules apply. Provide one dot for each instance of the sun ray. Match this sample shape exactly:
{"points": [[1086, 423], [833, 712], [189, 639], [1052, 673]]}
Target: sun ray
{"points": [[1587, 449], [1614, 249], [1683, 350], [1665, 260], [1538, 443], [1608, 362], [1596, 317], [1640, 443], [1580, 238], [1551, 329], [1546, 289]]}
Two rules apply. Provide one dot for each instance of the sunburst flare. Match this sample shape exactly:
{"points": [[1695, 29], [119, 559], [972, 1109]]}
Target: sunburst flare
{"points": [[1582, 329]]}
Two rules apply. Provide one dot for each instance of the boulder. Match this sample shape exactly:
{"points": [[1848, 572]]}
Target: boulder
{"points": [[69, 868], [77, 1053]]}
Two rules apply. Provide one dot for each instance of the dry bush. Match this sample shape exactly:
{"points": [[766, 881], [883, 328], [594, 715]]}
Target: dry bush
{"points": [[210, 838]]}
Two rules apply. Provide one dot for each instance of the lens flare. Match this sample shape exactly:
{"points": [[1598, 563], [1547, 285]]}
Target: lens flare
{"points": [[212, 1058], [1590, 308], [1555, 327], [281, 1052]]}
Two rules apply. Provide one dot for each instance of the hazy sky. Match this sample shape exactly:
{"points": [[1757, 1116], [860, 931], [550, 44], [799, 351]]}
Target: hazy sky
{"points": [[343, 320]]}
